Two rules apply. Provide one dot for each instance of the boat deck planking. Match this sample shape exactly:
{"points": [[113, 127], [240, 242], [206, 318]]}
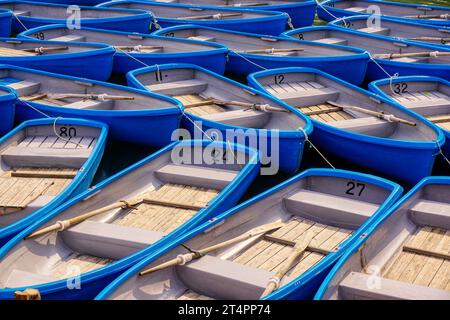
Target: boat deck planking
{"points": [[422, 269], [201, 110]]}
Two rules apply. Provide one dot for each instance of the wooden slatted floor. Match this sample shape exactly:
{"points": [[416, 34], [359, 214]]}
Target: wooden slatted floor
{"points": [[421, 269], [191, 295], [199, 111], [11, 52], [164, 218], [77, 264], [56, 142], [442, 120], [304, 86], [270, 256]]}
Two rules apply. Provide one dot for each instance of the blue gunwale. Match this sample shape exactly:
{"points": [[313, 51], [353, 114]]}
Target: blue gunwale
{"points": [[396, 191], [250, 169], [177, 106], [87, 171], [440, 140], [372, 228], [348, 13], [132, 80], [10, 95]]}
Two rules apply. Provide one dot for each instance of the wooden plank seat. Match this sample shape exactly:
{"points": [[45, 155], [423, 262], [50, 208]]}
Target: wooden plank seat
{"points": [[308, 97], [108, 240], [213, 178], [424, 259], [354, 286], [431, 213], [77, 264], [242, 118], [25, 87], [329, 208], [425, 102], [61, 173], [6, 51], [202, 38], [182, 87], [191, 295], [379, 30], [69, 38], [87, 104], [23, 13], [332, 40], [365, 125], [190, 99], [356, 9], [325, 113], [411, 59]]}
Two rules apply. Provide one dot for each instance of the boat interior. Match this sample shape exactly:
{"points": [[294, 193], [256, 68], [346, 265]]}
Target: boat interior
{"points": [[373, 45], [430, 99], [36, 10], [76, 94], [21, 49], [315, 210], [399, 30], [325, 100], [407, 257], [150, 201], [232, 3], [260, 45], [37, 164], [211, 98], [387, 8], [185, 13], [132, 43]]}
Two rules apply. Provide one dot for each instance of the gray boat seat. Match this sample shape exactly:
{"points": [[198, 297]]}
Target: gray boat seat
{"points": [[19, 278], [91, 105], [22, 13], [241, 118], [202, 38], [18, 156], [429, 106], [70, 38], [333, 41], [308, 97], [177, 88], [331, 209], [356, 9], [365, 125], [213, 178], [354, 286], [411, 59], [380, 30], [108, 240], [431, 213], [25, 87], [223, 279]]}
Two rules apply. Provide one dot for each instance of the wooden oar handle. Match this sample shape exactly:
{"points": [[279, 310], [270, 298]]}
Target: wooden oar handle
{"points": [[42, 50], [212, 16]]}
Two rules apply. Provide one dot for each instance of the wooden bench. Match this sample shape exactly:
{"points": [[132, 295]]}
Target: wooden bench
{"points": [[380, 30], [308, 97], [431, 213], [333, 41], [179, 87], [202, 38], [25, 87], [213, 178], [355, 286], [69, 38], [365, 125], [241, 118], [330, 209]]}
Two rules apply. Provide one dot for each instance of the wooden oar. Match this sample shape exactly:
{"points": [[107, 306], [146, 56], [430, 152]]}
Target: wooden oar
{"points": [[182, 259], [429, 16], [87, 96], [253, 4], [42, 50], [380, 115], [256, 106], [297, 252], [139, 47], [430, 39], [212, 16], [60, 225], [273, 50], [440, 119], [426, 54]]}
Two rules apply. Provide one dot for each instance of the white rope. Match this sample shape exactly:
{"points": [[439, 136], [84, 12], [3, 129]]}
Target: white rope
{"points": [[248, 60], [315, 148], [289, 21], [325, 9], [20, 21], [62, 138], [443, 155]]}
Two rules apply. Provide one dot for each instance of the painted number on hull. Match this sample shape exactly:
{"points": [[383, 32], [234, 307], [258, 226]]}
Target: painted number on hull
{"points": [[68, 132], [300, 36], [39, 35], [355, 188], [279, 78], [400, 87]]}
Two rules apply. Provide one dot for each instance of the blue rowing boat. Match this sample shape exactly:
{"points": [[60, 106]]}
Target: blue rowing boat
{"points": [[428, 96], [390, 56], [395, 28], [255, 52], [133, 214], [135, 51], [30, 14], [356, 125], [332, 9], [132, 115], [87, 60], [403, 255], [255, 241], [301, 12], [246, 20], [5, 23], [46, 161], [218, 107], [7, 108]]}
